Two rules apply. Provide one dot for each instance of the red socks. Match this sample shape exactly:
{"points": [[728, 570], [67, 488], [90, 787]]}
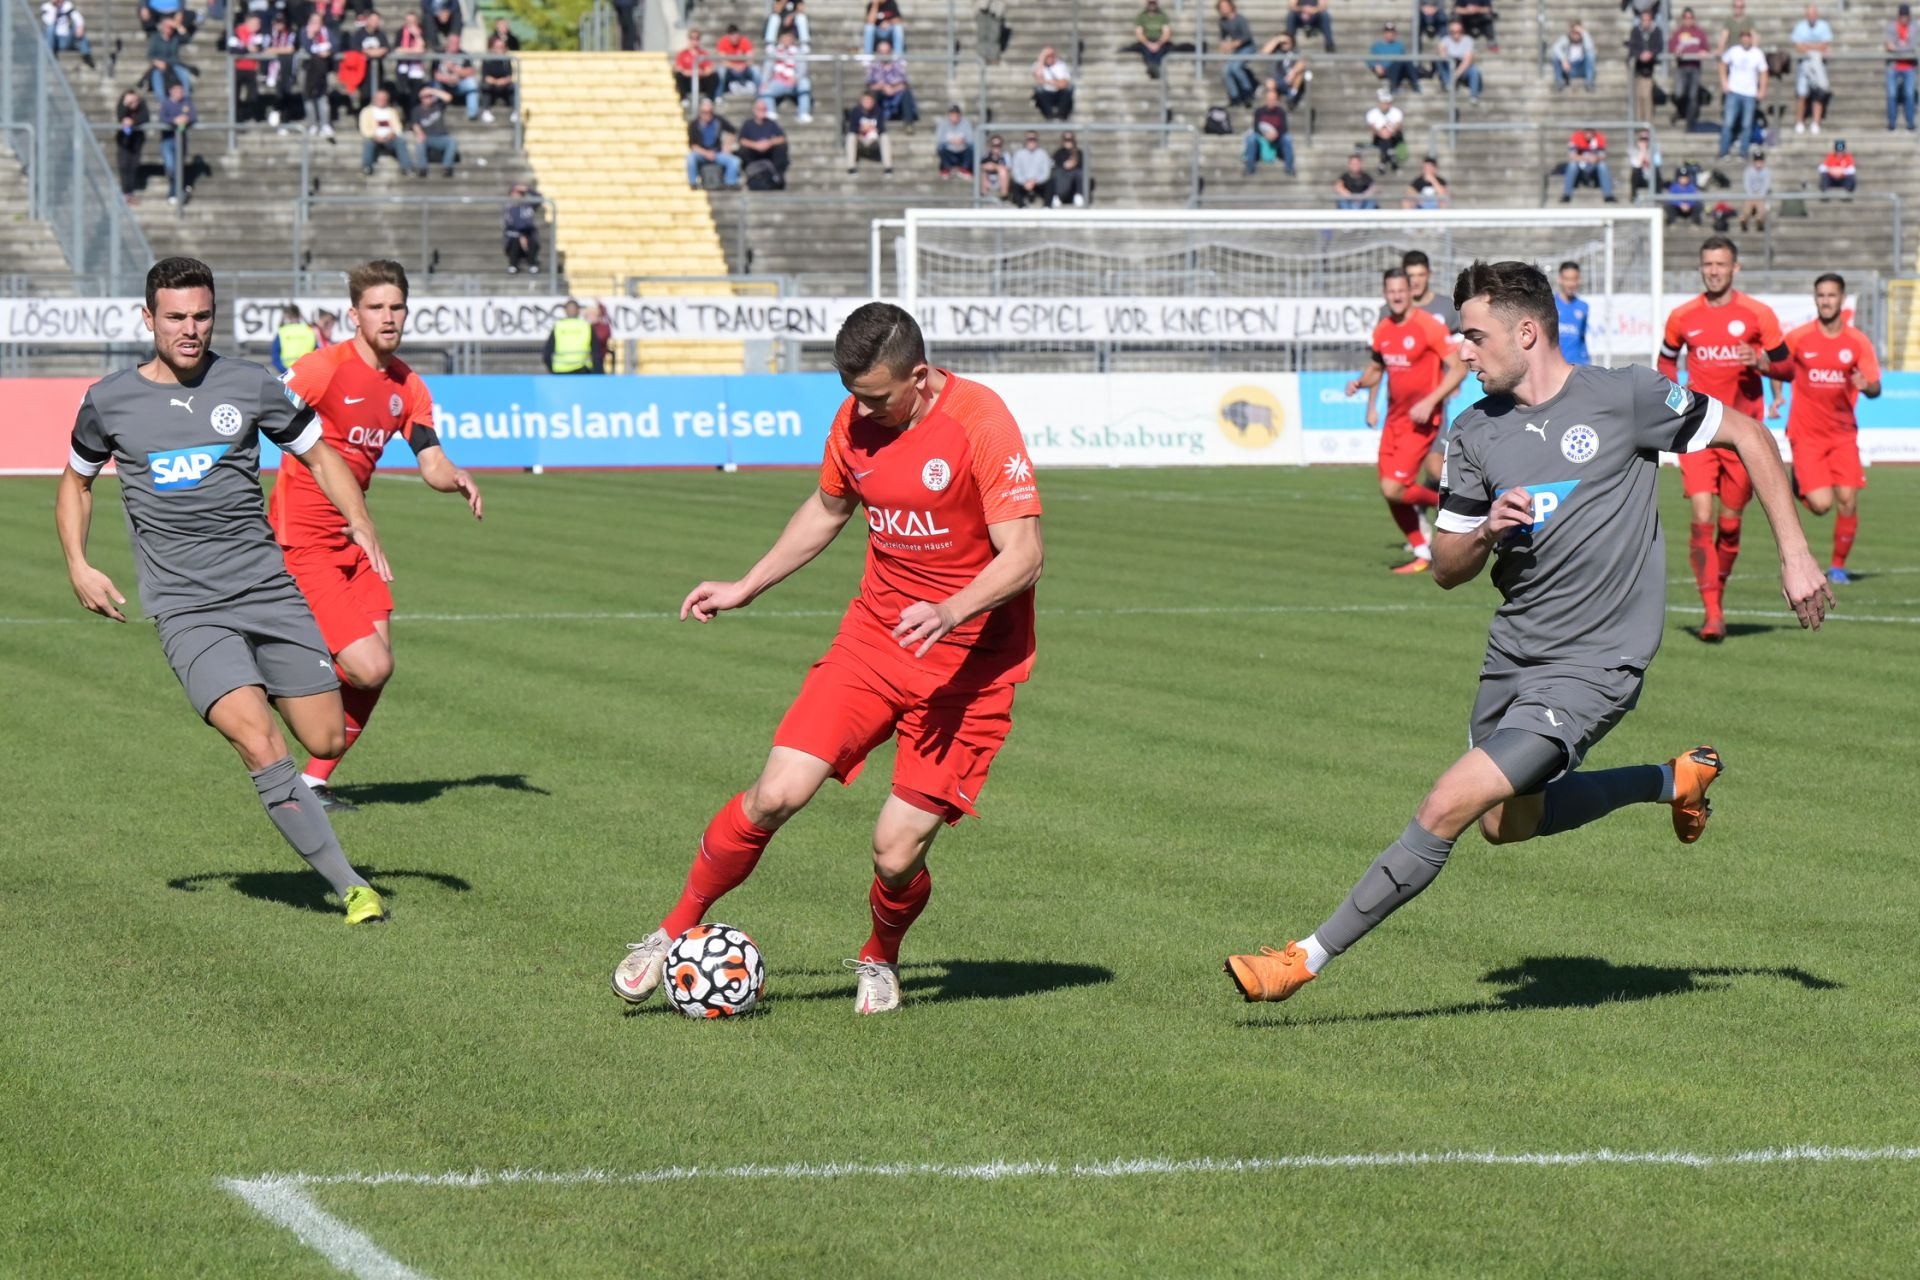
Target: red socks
{"points": [[1420, 496], [1727, 546], [729, 850], [1844, 529], [358, 705], [894, 911], [1705, 560], [1409, 521]]}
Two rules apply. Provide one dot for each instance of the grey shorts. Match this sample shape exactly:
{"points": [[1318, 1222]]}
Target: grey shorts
{"points": [[267, 637], [1573, 706]]}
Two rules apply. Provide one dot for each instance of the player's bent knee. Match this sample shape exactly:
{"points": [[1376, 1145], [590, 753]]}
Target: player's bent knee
{"points": [[1392, 490], [1819, 502], [325, 744], [365, 671], [769, 803]]}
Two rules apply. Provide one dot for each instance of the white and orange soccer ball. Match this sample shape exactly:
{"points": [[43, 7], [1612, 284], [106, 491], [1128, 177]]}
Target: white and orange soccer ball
{"points": [[714, 971]]}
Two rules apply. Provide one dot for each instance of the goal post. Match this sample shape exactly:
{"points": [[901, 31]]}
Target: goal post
{"points": [[1240, 289]]}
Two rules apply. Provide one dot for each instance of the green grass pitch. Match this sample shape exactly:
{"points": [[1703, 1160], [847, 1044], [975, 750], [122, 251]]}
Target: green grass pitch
{"points": [[1235, 708]]}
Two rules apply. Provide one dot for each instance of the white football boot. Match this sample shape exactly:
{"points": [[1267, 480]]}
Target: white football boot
{"points": [[635, 978], [878, 990]]}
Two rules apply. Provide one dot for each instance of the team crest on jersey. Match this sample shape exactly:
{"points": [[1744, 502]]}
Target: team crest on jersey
{"points": [[395, 404], [936, 475], [1736, 327], [183, 468], [1579, 443], [1846, 355], [1678, 398], [1407, 342], [227, 420]]}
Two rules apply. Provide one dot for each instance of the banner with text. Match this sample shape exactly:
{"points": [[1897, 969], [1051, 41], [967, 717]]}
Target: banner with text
{"points": [[1155, 420]]}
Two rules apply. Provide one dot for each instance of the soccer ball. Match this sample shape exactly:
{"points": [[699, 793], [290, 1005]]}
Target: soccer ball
{"points": [[714, 971]]}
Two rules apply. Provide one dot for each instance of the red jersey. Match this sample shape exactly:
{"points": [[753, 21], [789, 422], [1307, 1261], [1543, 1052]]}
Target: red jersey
{"points": [[360, 408], [1823, 390], [1412, 349], [1712, 337], [930, 494]]}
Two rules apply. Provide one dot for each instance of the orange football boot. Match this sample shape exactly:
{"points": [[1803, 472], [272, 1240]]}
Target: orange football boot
{"points": [[1693, 772], [1271, 975]]}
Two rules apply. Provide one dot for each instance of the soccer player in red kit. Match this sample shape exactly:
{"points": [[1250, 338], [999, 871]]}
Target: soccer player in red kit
{"points": [[929, 652], [1731, 341], [1832, 365], [365, 396], [1415, 353]]}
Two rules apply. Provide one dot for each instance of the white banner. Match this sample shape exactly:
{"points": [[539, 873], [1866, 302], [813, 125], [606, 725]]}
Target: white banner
{"points": [[1156, 420], [71, 322]]}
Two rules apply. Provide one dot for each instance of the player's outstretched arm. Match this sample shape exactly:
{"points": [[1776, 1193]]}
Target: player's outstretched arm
{"points": [[439, 473], [73, 517], [1459, 557], [1367, 382], [335, 479], [1018, 557], [816, 523], [1801, 581]]}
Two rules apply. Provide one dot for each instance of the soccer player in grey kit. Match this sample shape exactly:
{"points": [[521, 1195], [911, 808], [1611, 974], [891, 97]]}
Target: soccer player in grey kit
{"points": [[1554, 475], [184, 430]]}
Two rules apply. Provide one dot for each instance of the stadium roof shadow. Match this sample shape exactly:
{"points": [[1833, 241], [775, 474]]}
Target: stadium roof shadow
{"points": [[1570, 982], [420, 792], [941, 980], [305, 889]]}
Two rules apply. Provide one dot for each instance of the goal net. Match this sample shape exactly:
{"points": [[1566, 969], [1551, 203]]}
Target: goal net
{"points": [[1204, 290]]}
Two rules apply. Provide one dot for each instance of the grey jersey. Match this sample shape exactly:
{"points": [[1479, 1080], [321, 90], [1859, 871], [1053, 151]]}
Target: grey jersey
{"points": [[189, 463], [1441, 308], [1586, 584]]}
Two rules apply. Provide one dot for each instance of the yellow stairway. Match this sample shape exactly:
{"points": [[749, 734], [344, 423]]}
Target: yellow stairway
{"points": [[614, 164]]}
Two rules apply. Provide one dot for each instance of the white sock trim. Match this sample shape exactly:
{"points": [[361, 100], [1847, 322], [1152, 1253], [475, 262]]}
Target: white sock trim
{"points": [[312, 781], [1317, 954]]}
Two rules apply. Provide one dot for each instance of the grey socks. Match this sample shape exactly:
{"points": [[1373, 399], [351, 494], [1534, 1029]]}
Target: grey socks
{"points": [[297, 813], [1409, 865], [1578, 798]]}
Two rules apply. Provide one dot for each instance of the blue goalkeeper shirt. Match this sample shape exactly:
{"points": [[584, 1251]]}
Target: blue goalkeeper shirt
{"points": [[1573, 328]]}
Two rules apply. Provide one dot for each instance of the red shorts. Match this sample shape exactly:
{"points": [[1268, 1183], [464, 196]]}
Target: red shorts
{"points": [[1826, 460], [945, 739], [1716, 471], [1403, 448], [345, 594]]}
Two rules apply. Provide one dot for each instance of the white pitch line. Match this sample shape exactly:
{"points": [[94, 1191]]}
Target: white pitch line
{"points": [[285, 1202]]}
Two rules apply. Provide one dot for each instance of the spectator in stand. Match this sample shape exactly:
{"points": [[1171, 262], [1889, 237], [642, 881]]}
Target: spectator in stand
{"points": [[995, 177], [1687, 207], [1757, 183], [569, 345], [155, 12], [1743, 82], [1289, 69], [283, 47], [1430, 18], [456, 76], [374, 46], [163, 58], [66, 29], [323, 323], [293, 339], [1587, 165], [707, 144], [1268, 139], [177, 116], [1478, 17], [245, 44], [1457, 61], [1574, 58], [693, 71], [430, 129], [1837, 169], [788, 18], [953, 143], [1689, 47], [1644, 164], [444, 21], [1903, 65], [627, 14], [1428, 190], [1391, 62], [1384, 120], [883, 23], [602, 335], [1069, 181], [762, 147], [1236, 41], [316, 96], [1354, 188], [520, 230], [497, 88], [130, 140], [866, 133], [409, 61], [736, 61], [1310, 15], [381, 130], [785, 76], [1645, 44], [1152, 37], [1052, 86], [887, 82], [504, 29], [1736, 22], [1812, 87], [1031, 172]]}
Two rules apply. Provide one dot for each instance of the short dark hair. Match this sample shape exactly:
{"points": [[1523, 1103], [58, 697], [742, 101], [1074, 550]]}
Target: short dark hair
{"points": [[877, 334], [1514, 289], [1569, 265], [290, 313], [1393, 273], [369, 275], [1720, 242], [1833, 277], [177, 273], [1414, 257]]}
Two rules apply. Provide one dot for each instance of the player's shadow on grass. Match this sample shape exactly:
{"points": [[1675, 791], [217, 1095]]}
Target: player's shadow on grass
{"points": [[1573, 982], [427, 789], [942, 980], [306, 890]]}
